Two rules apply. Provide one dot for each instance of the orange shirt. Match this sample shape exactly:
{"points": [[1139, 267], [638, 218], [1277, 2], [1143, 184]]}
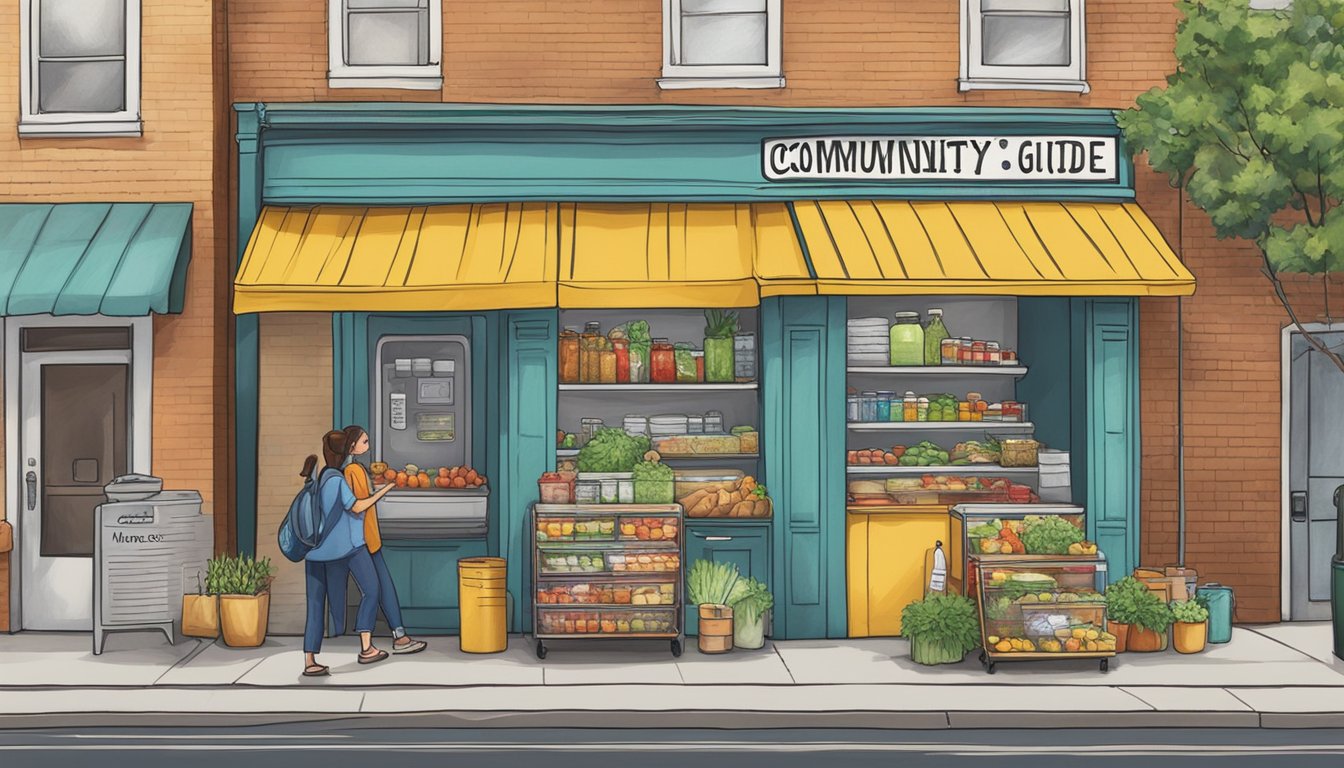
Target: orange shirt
{"points": [[358, 478]]}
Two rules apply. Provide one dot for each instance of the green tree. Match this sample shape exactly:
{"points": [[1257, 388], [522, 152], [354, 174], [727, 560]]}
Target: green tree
{"points": [[1251, 125]]}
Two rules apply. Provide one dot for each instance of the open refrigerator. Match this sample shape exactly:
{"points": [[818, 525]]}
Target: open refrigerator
{"points": [[609, 571]]}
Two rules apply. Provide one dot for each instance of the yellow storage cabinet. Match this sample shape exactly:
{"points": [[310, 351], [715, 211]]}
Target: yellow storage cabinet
{"points": [[885, 563]]}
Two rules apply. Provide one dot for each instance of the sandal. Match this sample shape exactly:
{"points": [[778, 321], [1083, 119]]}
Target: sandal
{"points": [[414, 646], [372, 658], [316, 670]]}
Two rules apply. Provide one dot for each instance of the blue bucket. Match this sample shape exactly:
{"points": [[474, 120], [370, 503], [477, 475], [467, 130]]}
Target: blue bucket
{"points": [[1222, 604]]}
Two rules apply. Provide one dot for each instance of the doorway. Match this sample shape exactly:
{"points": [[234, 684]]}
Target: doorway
{"points": [[1313, 468], [74, 392]]}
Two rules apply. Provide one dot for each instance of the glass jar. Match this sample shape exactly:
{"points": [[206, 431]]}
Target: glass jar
{"points": [[934, 334], [639, 362], [910, 407], [975, 406], [948, 351], [883, 412], [569, 356], [621, 348], [994, 356], [922, 409], [965, 351], [718, 354], [744, 357], [590, 371], [699, 355], [662, 362], [684, 360], [906, 340], [852, 409], [979, 353], [606, 361]]}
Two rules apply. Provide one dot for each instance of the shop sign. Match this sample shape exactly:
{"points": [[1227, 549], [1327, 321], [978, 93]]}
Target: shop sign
{"points": [[943, 158]]}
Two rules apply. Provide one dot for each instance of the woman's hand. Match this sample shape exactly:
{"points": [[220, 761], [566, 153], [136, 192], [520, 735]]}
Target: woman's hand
{"points": [[363, 505]]}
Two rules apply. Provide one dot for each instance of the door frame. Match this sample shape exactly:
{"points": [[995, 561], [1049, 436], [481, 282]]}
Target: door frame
{"points": [[1285, 444], [140, 425]]}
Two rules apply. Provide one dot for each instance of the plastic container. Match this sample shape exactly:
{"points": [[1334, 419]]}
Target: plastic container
{"points": [[906, 340], [690, 481], [744, 357], [714, 423], [557, 491]]}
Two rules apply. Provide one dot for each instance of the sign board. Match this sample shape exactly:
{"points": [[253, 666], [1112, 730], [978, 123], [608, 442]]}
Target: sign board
{"points": [[941, 158]]}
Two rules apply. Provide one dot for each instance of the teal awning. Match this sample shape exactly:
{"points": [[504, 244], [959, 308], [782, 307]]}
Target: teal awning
{"points": [[118, 259]]}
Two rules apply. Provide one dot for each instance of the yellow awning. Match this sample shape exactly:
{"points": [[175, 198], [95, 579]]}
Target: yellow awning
{"points": [[672, 254], [867, 247], [409, 259]]}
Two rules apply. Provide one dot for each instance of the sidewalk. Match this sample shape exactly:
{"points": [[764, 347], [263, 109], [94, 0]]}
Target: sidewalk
{"points": [[1273, 676]]}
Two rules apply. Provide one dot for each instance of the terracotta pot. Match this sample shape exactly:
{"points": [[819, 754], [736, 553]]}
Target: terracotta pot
{"points": [[1121, 632], [716, 629], [243, 619], [200, 616], [1188, 637], [1145, 640]]}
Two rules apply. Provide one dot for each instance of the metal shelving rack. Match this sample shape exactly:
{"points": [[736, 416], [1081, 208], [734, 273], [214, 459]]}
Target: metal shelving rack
{"points": [[608, 546]]}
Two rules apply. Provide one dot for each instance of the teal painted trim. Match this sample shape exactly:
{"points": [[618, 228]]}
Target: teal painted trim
{"points": [[114, 259], [803, 381], [1044, 342], [527, 444], [247, 350], [390, 154], [802, 241]]}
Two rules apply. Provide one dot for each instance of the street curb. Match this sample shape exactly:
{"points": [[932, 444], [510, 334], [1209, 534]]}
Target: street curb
{"points": [[696, 720]]}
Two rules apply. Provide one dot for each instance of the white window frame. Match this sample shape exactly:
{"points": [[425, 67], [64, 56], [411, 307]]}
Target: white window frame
{"points": [[81, 124], [976, 76], [428, 77], [682, 76]]}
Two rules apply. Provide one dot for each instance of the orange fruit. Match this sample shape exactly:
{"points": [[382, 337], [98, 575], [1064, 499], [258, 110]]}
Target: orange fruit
{"points": [[459, 482]]}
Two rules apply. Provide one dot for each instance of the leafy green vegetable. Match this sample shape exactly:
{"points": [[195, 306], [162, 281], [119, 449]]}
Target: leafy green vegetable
{"points": [[1153, 614], [710, 583], [638, 332], [941, 628], [1189, 612], [998, 608], [612, 450], [750, 599], [984, 531], [1122, 600], [720, 324], [1050, 536], [654, 483]]}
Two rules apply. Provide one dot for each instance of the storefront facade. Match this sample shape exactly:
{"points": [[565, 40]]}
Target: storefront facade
{"points": [[503, 225]]}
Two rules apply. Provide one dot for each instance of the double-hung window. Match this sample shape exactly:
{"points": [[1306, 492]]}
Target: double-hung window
{"points": [[1023, 44], [79, 68], [385, 44], [721, 44]]}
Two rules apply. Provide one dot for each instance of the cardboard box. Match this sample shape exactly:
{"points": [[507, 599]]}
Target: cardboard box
{"points": [[1171, 584], [6, 536]]}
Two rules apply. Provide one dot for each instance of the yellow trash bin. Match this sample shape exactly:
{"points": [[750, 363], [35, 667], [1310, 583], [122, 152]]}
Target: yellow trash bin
{"points": [[483, 599]]}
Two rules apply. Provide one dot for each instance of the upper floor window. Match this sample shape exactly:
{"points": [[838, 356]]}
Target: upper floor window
{"points": [[1023, 44], [80, 68], [721, 44], [385, 44]]}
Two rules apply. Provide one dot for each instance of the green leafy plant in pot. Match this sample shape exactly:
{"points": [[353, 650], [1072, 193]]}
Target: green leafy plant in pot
{"points": [[243, 585], [1122, 599], [1152, 619], [751, 602], [941, 628], [710, 586], [1191, 630], [720, 326]]}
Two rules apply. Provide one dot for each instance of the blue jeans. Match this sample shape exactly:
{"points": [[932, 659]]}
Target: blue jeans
{"points": [[326, 583], [387, 597]]}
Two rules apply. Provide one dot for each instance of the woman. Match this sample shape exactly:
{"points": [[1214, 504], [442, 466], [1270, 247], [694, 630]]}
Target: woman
{"points": [[341, 552], [358, 478]]}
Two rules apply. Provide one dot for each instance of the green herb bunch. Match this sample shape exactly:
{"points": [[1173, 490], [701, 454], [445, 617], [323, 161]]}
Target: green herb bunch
{"points": [[238, 575], [947, 625], [720, 324], [1189, 612], [1122, 600]]}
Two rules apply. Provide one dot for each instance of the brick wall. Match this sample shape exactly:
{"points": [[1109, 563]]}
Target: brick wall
{"points": [[172, 162], [296, 407], [836, 53]]}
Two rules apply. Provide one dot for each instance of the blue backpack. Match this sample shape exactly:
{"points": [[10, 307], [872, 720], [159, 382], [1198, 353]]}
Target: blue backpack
{"points": [[305, 527]]}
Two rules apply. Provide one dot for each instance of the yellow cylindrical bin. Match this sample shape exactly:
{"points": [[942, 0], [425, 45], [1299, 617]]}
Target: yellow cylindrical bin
{"points": [[483, 599]]}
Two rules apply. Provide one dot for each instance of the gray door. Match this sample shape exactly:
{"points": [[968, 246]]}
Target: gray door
{"points": [[1315, 469]]}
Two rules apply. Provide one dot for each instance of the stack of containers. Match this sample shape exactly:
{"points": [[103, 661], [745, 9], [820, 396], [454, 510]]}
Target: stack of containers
{"points": [[868, 341], [1056, 480]]}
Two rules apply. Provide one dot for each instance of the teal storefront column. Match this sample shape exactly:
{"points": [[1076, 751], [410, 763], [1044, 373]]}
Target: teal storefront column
{"points": [[1106, 440], [803, 354], [247, 343]]}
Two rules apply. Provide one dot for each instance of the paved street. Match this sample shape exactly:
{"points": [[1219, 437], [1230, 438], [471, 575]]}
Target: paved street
{"points": [[333, 744]]}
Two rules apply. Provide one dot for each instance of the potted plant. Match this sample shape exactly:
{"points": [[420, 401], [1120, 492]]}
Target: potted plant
{"points": [[941, 628], [1121, 608], [720, 326], [751, 602], [1191, 630], [1148, 631], [709, 586], [243, 586]]}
